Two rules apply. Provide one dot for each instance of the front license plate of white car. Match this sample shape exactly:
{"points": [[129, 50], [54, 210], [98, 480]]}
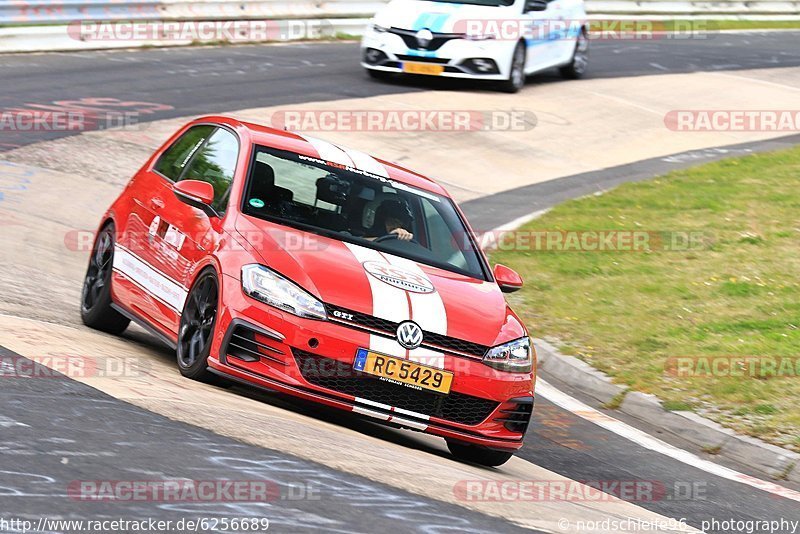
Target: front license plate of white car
{"points": [[422, 68]]}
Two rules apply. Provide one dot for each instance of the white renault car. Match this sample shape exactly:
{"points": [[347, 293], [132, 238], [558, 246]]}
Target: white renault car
{"points": [[500, 40]]}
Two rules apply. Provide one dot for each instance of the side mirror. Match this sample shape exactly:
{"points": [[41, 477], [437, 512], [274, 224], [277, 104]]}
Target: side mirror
{"points": [[508, 279], [535, 5], [196, 194]]}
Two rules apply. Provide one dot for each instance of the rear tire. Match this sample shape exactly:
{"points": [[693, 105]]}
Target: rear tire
{"points": [[196, 331], [96, 310], [516, 75], [576, 68], [478, 455]]}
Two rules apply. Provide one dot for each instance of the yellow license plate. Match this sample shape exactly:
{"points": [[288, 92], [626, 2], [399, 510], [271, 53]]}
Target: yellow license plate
{"points": [[423, 68], [408, 373]]}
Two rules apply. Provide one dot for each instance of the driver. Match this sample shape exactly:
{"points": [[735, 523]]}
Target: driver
{"points": [[392, 218]]}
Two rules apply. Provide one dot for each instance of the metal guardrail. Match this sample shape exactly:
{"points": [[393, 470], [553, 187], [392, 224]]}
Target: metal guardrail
{"points": [[53, 11], [27, 12]]}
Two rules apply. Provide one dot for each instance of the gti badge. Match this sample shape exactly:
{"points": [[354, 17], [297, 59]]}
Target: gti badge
{"points": [[424, 38], [409, 335]]}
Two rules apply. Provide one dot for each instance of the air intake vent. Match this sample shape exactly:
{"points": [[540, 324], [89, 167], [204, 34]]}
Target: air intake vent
{"points": [[518, 418], [250, 346]]}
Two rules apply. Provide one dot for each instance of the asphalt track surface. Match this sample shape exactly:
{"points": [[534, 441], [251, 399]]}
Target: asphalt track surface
{"points": [[196, 81], [67, 433]]}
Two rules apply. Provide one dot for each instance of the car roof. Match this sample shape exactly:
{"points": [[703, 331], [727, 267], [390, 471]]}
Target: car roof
{"points": [[312, 147]]}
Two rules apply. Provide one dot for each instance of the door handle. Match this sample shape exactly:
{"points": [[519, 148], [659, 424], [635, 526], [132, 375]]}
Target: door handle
{"points": [[156, 203]]}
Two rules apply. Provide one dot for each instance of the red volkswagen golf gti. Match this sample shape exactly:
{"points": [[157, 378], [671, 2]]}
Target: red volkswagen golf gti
{"points": [[298, 266]]}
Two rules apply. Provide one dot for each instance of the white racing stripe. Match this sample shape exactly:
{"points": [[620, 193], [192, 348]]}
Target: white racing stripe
{"points": [[656, 445], [365, 162], [151, 280], [408, 423], [373, 403], [329, 151], [428, 311], [392, 418], [388, 302], [382, 417], [412, 414], [392, 304]]}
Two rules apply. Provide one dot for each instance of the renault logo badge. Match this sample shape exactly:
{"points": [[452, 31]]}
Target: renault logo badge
{"points": [[424, 38]]}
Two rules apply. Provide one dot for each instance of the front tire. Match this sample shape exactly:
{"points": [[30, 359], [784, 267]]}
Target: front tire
{"points": [[576, 68], [96, 310], [478, 455], [196, 331], [516, 75]]}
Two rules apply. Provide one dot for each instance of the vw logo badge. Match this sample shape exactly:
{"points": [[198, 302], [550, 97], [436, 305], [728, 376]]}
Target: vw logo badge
{"points": [[409, 335], [424, 38]]}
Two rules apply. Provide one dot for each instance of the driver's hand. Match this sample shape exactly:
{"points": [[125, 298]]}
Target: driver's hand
{"points": [[403, 234]]}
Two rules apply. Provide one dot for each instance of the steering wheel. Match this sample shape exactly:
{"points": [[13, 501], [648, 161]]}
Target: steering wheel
{"points": [[390, 237]]}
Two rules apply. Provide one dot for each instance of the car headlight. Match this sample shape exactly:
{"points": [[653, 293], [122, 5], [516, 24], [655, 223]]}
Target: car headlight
{"points": [[271, 288], [515, 356], [377, 28]]}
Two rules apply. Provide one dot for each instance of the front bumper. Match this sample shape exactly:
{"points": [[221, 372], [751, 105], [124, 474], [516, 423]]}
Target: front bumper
{"points": [[460, 58], [313, 360]]}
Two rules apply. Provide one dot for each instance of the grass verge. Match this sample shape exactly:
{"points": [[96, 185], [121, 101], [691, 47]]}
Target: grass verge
{"points": [[684, 322]]}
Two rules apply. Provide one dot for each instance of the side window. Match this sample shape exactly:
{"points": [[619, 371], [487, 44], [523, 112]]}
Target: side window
{"points": [[175, 159], [215, 163]]}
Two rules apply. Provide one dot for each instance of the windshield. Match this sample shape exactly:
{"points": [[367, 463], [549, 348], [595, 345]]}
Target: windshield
{"points": [[359, 207]]}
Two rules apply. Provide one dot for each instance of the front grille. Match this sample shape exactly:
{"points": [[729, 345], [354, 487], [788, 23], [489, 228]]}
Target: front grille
{"points": [[430, 339], [420, 59], [409, 38], [337, 376]]}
